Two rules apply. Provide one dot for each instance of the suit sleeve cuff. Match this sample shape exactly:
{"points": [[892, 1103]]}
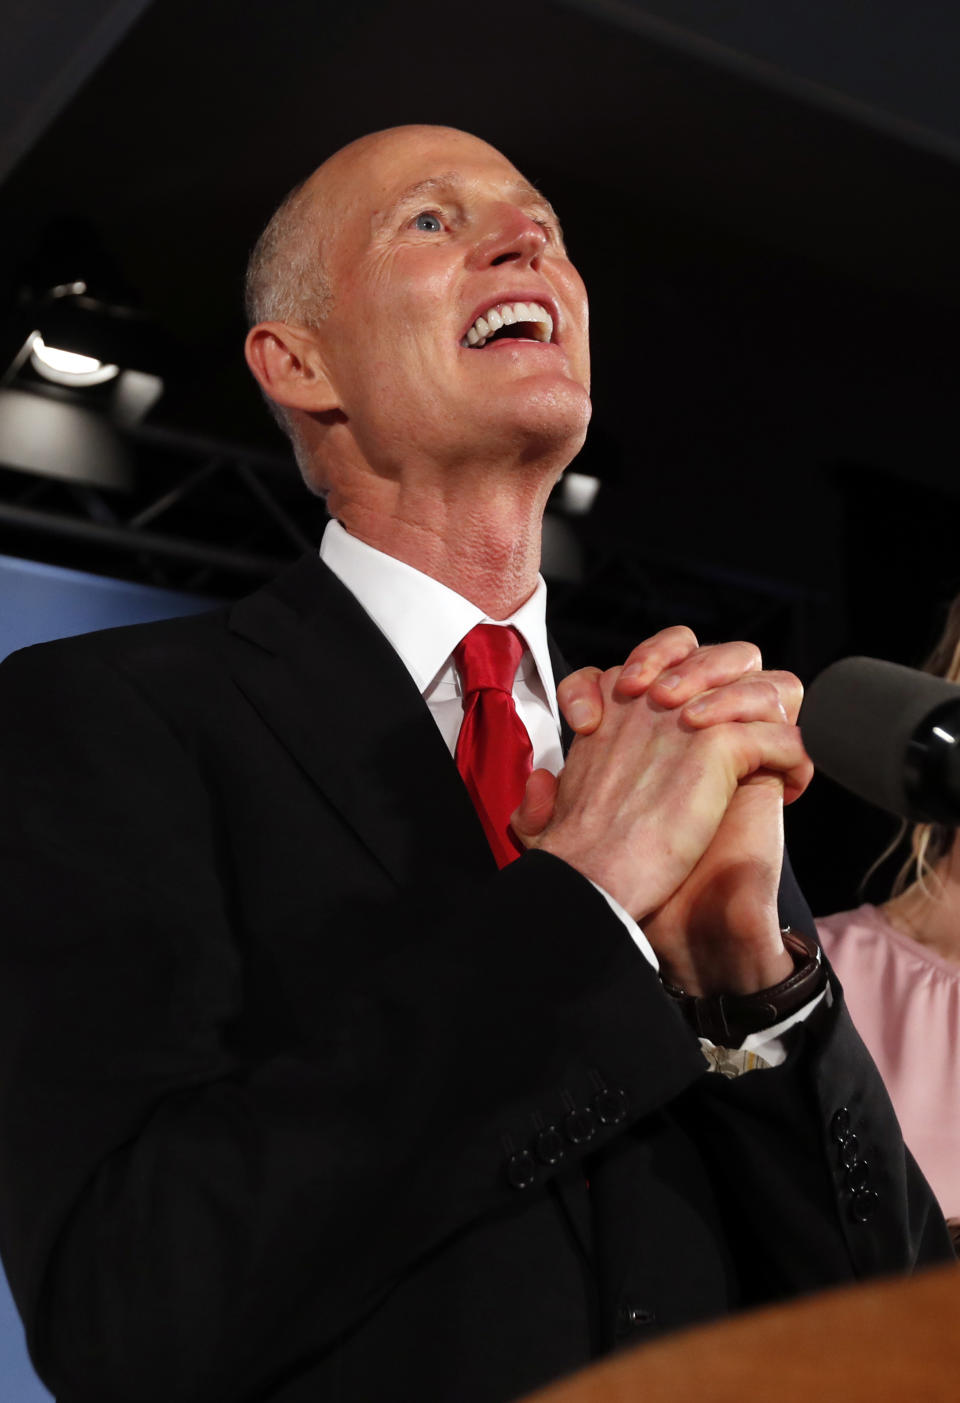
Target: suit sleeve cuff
{"points": [[633, 930]]}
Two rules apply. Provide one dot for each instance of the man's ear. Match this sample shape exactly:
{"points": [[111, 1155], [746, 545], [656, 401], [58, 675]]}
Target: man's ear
{"points": [[289, 367]]}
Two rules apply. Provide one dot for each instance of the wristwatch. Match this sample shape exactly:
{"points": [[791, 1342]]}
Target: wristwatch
{"points": [[726, 1019]]}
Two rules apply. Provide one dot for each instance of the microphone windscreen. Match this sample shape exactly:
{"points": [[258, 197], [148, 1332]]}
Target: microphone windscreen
{"points": [[858, 719]]}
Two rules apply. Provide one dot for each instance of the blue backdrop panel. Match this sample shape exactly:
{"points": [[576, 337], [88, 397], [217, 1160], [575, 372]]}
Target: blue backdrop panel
{"points": [[37, 603]]}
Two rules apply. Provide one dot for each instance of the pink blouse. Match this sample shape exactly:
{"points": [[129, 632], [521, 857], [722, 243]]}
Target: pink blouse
{"points": [[905, 1002]]}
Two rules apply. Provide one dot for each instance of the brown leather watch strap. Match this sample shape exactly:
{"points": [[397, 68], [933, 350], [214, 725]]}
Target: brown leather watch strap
{"points": [[726, 1019]]}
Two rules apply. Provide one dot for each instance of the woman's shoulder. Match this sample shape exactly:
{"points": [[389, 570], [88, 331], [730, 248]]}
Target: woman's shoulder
{"points": [[866, 931], [862, 920]]}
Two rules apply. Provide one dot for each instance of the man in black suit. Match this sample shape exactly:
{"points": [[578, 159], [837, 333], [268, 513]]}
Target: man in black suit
{"points": [[303, 1097]]}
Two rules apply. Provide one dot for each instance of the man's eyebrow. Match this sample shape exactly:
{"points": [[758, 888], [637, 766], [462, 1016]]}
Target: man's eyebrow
{"points": [[453, 182], [523, 190], [420, 190]]}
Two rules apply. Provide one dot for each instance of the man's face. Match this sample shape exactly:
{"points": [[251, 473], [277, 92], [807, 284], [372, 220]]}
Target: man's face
{"points": [[425, 231]]}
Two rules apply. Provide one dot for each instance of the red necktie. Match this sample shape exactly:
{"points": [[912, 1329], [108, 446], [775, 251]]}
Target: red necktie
{"points": [[493, 754]]}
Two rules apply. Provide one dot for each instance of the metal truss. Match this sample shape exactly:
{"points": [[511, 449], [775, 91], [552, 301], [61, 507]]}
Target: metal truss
{"points": [[202, 515]]}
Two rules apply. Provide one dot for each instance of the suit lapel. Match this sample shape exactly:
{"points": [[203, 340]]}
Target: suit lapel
{"points": [[324, 679]]}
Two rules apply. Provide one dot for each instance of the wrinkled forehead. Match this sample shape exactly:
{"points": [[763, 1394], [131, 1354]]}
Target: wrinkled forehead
{"points": [[364, 184]]}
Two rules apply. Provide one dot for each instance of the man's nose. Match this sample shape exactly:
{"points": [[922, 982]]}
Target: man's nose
{"points": [[509, 236]]}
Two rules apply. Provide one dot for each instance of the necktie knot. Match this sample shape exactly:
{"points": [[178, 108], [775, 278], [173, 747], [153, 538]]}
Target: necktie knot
{"points": [[488, 658]]}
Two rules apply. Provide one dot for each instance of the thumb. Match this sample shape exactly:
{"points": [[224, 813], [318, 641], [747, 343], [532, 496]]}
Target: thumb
{"points": [[581, 701], [536, 807]]}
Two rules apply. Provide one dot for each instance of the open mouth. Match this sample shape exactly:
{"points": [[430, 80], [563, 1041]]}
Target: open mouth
{"points": [[520, 321]]}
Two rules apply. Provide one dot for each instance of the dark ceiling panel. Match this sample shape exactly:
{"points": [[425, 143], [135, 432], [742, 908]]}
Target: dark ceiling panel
{"points": [[885, 64], [49, 52]]}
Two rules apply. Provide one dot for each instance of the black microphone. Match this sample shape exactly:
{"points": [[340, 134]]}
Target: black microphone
{"points": [[889, 734]]}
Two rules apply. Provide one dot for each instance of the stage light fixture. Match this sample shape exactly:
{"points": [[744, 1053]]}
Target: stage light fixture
{"points": [[578, 492], [68, 367]]}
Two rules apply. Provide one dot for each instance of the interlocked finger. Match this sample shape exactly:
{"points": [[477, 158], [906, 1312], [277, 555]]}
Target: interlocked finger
{"points": [[777, 748], [654, 656], [759, 696], [712, 666], [579, 695]]}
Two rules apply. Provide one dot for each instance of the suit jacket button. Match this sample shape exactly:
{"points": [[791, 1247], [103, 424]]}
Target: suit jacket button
{"points": [[580, 1126], [863, 1205], [610, 1106], [521, 1169], [630, 1317], [840, 1125], [858, 1175], [849, 1147], [549, 1146]]}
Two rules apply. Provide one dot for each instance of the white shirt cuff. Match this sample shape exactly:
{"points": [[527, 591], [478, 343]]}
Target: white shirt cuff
{"points": [[768, 1043], [633, 930]]}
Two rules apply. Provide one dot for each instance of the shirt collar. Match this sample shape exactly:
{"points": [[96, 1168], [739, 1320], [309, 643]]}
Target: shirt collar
{"points": [[420, 617]]}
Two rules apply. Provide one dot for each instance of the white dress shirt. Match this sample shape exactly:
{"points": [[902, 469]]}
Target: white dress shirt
{"points": [[424, 621]]}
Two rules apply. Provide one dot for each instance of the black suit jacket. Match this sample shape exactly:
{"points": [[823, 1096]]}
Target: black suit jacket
{"points": [[282, 1052]]}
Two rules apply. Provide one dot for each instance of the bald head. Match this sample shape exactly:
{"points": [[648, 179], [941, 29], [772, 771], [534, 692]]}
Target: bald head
{"points": [[286, 278]]}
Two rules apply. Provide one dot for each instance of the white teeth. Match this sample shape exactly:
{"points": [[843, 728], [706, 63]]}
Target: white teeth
{"points": [[508, 314]]}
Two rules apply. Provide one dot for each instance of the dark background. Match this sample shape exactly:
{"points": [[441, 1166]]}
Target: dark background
{"points": [[764, 201]]}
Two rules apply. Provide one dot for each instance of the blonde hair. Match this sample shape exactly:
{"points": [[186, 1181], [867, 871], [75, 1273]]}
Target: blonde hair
{"points": [[929, 842]]}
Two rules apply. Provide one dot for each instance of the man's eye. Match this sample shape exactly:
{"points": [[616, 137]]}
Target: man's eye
{"points": [[428, 222], [551, 229]]}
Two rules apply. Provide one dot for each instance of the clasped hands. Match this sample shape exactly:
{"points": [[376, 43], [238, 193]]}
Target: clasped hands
{"points": [[671, 800]]}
